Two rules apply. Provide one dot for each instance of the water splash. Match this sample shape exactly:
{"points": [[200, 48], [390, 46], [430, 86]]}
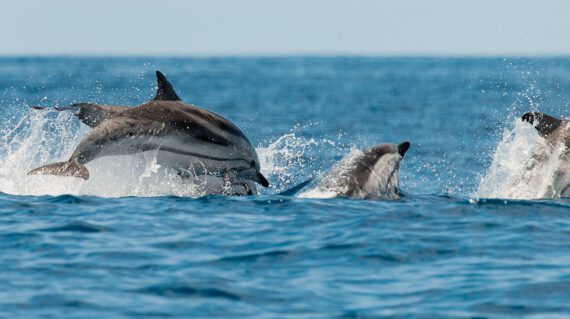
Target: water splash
{"points": [[291, 159], [524, 166], [37, 138]]}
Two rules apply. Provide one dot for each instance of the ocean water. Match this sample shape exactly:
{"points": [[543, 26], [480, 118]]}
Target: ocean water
{"points": [[472, 237]]}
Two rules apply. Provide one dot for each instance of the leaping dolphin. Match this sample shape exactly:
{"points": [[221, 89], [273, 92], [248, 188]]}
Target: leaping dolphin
{"points": [[370, 174], [186, 137]]}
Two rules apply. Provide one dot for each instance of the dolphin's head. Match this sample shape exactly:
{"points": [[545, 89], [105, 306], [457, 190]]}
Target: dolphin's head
{"points": [[543, 123], [377, 171]]}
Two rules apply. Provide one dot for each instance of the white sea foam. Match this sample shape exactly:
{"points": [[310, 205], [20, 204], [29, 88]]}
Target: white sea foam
{"points": [[524, 166]]}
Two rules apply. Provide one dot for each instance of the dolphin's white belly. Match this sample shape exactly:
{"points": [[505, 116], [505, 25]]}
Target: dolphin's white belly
{"points": [[195, 165], [198, 157]]}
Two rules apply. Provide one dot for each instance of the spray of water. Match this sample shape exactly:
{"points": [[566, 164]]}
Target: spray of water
{"points": [[293, 158], [524, 166]]}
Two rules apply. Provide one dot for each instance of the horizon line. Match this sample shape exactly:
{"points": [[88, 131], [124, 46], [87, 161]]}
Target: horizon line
{"points": [[284, 55]]}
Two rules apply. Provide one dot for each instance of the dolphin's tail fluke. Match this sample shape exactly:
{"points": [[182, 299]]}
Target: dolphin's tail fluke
{"points": [[71, 168]]}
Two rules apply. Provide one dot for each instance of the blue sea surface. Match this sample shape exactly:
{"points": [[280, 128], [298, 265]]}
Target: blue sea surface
{"points": [[132, 243]]}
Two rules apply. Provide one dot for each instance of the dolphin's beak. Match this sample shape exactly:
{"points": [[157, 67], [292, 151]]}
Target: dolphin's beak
{"points": [[403, 148], [262, 180]]}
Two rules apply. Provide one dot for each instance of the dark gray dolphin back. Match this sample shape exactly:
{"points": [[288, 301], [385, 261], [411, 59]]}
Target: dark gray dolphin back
{"points": [[164, 91], [544, 124]]}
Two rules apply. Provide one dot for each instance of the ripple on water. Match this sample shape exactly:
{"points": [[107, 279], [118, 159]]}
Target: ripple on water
{"points": [[78, 226], [180, 290], [249, 258]]}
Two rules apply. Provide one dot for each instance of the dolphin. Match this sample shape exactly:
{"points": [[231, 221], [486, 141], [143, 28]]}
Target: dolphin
{"points": [[557, 134], [370, 174], [186, 137]]}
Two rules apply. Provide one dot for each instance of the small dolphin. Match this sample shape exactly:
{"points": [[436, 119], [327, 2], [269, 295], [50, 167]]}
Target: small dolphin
{"points": [[371, 174], [186, 137], [557, 133]]}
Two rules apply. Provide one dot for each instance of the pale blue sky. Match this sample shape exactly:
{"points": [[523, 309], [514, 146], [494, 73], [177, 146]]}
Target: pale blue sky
{"points": [[265, 27]]}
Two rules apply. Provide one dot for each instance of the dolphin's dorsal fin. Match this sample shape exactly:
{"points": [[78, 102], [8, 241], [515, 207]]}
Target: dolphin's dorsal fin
{"points": [[543, 123], [403, 148], [165, 91]]}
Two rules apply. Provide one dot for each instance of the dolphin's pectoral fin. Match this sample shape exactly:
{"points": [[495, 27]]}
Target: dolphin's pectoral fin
{"points": [[88, 113], [297, 188], [72, 168], [543, 123], [165, 91]]}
